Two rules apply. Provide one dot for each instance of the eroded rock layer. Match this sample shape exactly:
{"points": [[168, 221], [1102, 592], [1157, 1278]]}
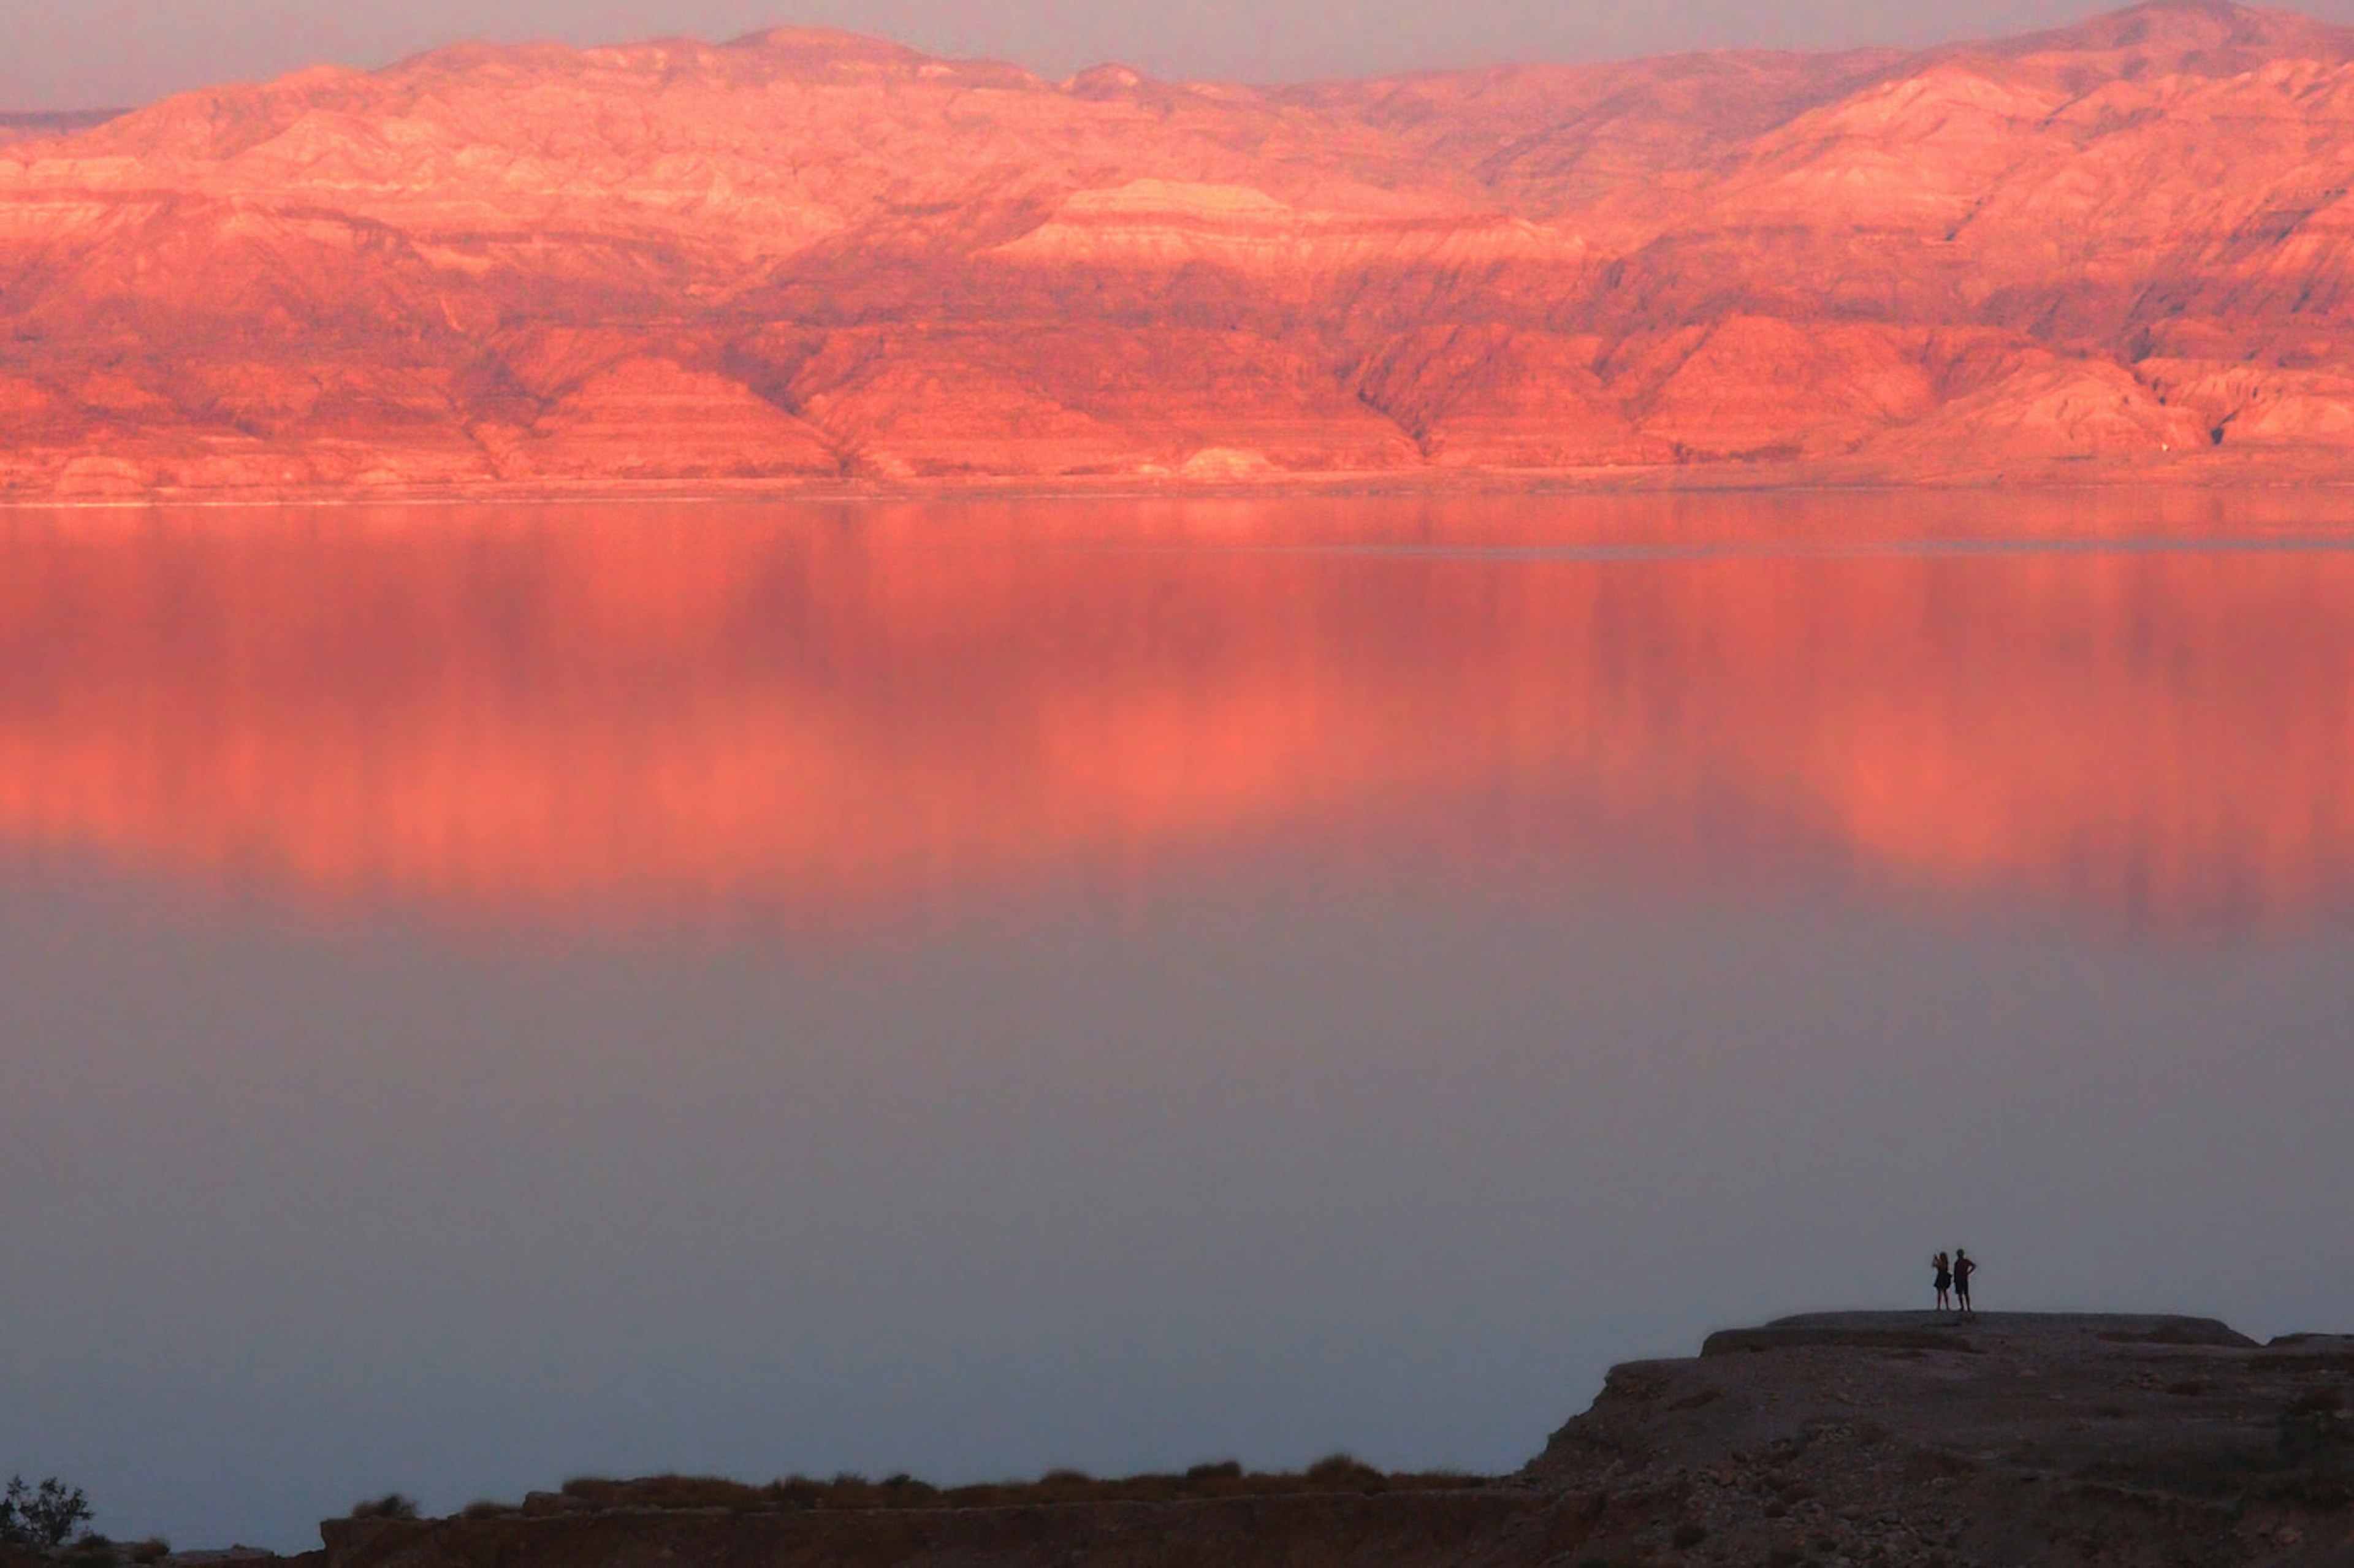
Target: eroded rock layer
{"points": [[809, 258]]}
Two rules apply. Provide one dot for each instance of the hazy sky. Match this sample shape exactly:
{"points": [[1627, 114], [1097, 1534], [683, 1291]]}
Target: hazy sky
{"points": [[79, 53]]}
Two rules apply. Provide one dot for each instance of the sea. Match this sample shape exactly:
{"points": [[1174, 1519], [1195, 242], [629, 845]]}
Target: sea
{"points": [[491, 994]]}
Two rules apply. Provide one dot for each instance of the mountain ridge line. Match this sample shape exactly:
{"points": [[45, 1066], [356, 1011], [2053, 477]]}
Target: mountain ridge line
{"points": [[806, 260]]}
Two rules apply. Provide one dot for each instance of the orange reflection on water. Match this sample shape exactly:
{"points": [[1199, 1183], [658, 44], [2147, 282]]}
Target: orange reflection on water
{"points": [[824, 712]]}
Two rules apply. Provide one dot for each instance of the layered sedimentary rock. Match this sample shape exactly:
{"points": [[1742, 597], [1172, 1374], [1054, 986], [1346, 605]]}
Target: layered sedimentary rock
{"points": [[807, 258]]}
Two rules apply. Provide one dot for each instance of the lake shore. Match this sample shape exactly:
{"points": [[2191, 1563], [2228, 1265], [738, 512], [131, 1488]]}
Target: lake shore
{"points": [[2236, 472]]}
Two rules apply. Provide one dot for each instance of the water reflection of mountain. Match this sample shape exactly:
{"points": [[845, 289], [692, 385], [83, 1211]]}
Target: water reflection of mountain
{"points": [[694, 712]]}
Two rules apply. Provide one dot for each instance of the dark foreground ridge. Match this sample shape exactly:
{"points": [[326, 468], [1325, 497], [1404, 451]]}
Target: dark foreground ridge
{"points": [[1840, 1439]]}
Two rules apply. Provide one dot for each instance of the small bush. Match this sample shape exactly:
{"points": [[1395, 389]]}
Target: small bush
{"points": [[154, 1549], [486, 1508], [1340, 1472], [1336, 1470], [392, 1505], [43, 1517], [796, 1491], [688, 1492]]}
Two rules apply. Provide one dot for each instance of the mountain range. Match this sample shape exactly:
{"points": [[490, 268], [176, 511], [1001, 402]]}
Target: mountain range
{"points": [[807, 260]]}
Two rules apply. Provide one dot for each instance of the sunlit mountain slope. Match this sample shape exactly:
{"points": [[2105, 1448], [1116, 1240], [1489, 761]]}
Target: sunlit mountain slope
{"points": [[808, 258]]}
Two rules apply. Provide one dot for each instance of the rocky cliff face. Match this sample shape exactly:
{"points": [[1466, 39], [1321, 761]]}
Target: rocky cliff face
{"points": [[806, 258], [2014, 1439]]}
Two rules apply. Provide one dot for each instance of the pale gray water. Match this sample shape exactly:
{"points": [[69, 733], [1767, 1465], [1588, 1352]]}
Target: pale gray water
{"points": [[488, 998]]}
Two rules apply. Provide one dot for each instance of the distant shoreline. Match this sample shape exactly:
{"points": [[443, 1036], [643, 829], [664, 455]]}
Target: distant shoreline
{"points": [[1659, 481]]}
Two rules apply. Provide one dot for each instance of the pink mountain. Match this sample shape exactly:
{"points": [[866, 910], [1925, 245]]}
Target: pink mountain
{"points": [[804, 258]]}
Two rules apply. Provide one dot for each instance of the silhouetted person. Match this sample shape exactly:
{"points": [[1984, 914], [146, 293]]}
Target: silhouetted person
{"points": [[1963, 1270], [1944, 1269]]}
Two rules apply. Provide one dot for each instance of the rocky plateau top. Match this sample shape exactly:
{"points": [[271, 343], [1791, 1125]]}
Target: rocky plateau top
{"points": [[2002, 1438]]}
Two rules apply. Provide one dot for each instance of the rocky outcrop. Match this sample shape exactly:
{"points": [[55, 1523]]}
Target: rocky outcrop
{"points": [[1856, 1438], [2013, 1438], [805, 259]]}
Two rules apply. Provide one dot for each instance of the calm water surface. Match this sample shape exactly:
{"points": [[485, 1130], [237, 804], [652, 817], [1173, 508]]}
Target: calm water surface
{"points": [[493, 995]]}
